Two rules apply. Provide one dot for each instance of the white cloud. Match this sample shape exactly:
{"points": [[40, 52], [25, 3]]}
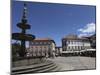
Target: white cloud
{"points": [[87, 30], [85, 34]]}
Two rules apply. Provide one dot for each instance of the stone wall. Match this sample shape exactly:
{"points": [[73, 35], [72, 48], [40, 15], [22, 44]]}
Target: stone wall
{"points": [[25, 62]]}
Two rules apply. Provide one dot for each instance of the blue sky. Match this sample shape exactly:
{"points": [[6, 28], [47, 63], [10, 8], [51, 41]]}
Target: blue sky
{"points": [[55, 20]]}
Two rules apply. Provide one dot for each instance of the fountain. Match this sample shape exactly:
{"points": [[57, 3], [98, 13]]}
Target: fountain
{"points": [[23, 37]]}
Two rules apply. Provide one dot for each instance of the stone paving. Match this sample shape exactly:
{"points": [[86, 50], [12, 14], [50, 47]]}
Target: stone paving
{"points": [[75, 63]]}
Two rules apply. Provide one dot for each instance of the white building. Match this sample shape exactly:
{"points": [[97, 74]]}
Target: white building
{"points": [[58, 51], [74, 44], [44, 47]]}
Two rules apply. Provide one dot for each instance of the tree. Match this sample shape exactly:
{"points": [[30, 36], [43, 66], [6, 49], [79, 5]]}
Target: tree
{"points": [[15, 50]]}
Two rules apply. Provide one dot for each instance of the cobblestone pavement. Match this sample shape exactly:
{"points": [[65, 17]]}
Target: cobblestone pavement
{"points": [[75, 63]]}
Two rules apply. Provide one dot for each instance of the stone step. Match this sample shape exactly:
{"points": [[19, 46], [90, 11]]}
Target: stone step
{"points": [[44, 67], [34, 70], [58, 68], [31, 66], [54, 66]]}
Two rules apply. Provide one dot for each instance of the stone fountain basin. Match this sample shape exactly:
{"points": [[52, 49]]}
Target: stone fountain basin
{"points": [[21, 36], [23, 26]]}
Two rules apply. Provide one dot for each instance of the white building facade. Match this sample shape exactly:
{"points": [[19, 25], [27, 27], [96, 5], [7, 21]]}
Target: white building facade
{"points": [[41, 47], [73, 44], [58, 51]]}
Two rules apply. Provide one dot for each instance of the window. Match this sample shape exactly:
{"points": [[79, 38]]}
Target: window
{"points": [[36, 42], [32, 43], [64, 49], [44, 42], [40, 42], [48, 42], [67, 42], [67, 48]]}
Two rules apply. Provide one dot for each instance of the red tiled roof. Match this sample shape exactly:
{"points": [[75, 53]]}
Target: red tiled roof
{"points": [[43, 39]]}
